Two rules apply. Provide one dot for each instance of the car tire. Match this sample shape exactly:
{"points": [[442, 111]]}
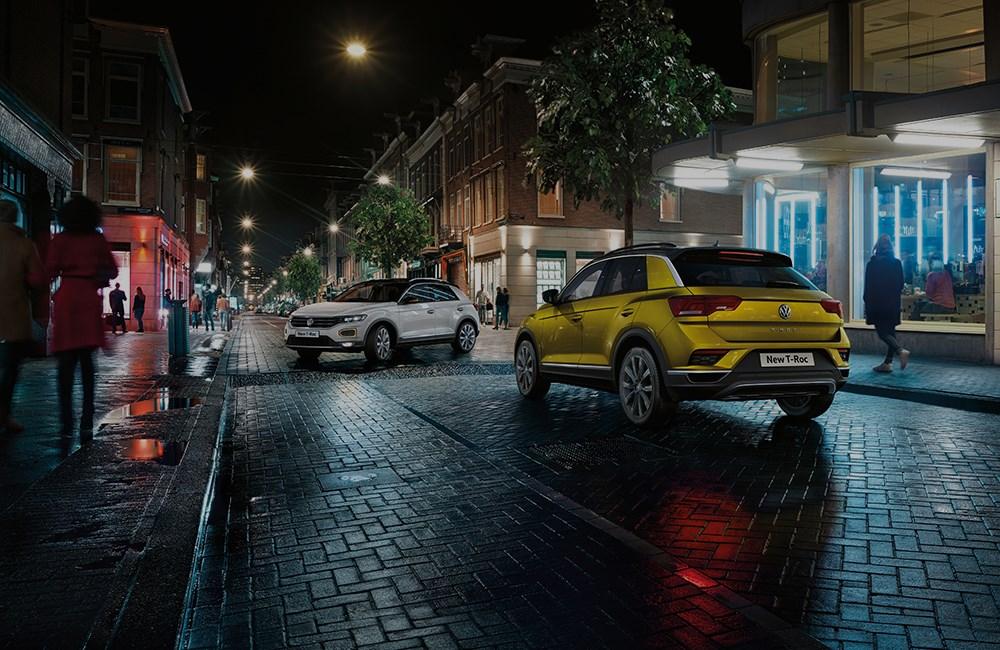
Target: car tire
{"points": [[640, 390], [465, 338], [309, 355], [378, 345], [805, 407], [531, 383]]}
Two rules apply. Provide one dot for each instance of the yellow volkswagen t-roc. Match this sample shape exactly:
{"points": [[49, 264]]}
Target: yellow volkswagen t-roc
{"points": [[661, 324]]}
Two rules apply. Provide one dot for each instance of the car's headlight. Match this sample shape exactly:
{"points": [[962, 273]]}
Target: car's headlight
{"points": [[350, 319]]}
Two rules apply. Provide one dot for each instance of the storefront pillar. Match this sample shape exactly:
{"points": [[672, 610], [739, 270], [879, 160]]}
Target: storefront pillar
{"points": [[838, 219], [992, 271]]}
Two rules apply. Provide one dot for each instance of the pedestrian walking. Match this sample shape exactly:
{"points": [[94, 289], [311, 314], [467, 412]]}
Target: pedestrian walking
{"points": [[222, 306], [21, 272], [208, 307], [505, 313], [482, 299], [195, 304], [883, 291], [165, 307], [497, 306], [81, 258], [139, 308], [117, 300]]}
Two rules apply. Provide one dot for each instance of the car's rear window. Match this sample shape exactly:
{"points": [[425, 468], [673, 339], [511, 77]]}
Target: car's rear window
{"points": [[734, 268]]}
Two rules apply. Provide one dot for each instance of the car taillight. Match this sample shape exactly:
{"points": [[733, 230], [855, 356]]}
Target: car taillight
{"points": [[706, 357], [832, 306], [702, 305], [845, 354]]}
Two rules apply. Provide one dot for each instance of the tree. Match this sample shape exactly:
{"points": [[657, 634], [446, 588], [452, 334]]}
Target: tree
{"points": [[390, 227], [608, 98], [304, 276]]}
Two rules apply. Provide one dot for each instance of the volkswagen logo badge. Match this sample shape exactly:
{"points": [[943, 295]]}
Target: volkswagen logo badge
{"points": [[785, 312], [309, 321]]}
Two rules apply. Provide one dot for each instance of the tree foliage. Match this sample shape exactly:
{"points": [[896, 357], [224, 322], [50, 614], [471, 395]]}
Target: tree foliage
{"points": [[390, 227], [304, 276], [608, 98]]}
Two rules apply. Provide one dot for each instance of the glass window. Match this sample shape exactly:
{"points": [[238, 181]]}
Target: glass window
{"points": [[790, 218], [79, 90], [799, 52], [722, 268], [584, 285], [123, 91], [200, 216], [487, 274], [916, 46], [583, 258], [670, 205], [491, 198], [934, 210], [501, 194], [488, 128], [550, 203], [199, 168], [467, 218], [123, 260], [477, 138], [80, 169], [627, 275], [550, 272], [499, 121], [121, 174]]}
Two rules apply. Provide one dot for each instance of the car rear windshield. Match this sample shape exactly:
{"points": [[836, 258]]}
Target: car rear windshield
{"points": [[373, 292], [722, 268]]}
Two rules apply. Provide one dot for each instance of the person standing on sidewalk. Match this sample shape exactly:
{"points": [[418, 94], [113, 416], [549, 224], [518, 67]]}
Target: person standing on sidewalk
{"points": [[883, 291], [195, 304], [81, 258], [21, 271], [209, 308], [506, 309], [222, 306], [482, 299], [117, 299], [139, 308], [497, 308]]}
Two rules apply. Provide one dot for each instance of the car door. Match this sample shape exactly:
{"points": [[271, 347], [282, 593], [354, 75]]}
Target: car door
{"points": [[611, 310], [563, 326], [417, 313], [447, 309]]}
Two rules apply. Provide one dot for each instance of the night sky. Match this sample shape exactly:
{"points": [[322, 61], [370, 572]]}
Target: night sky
{"points": [[280, 94]]}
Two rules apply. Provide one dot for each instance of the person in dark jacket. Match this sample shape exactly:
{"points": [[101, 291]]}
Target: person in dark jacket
{"points": [[139, 308], [883, 289], [497, 305], [117, 300]]}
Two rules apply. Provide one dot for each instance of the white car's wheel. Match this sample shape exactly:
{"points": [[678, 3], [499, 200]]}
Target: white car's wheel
{"points": [[378, 345], [465, 338]]}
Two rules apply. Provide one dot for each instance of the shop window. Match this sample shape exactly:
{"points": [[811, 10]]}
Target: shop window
{"points": [[798, 51], [200, 216], [934, 211], [915, 46], [550, 272], [81, 78], [790, 218], [670, 205], [550, 203], [123, 259], [200, 166], [486, 273], [124, 89], [121, 165]]}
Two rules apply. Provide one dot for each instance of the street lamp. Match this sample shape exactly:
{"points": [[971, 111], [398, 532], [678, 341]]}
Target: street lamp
{"points": [[247, 249], [284, 273], [274, 283], [383, 179], [247, 173], [307, 251], [356, 50], [334, 228], [246, 222], [246, 262]]}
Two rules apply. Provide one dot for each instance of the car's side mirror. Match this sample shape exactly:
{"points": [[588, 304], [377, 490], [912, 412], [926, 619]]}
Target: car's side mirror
{"points": [[550, 296]]}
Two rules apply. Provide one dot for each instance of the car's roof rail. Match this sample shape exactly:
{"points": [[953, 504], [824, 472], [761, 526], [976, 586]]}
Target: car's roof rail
{"points": [[641, 247]]}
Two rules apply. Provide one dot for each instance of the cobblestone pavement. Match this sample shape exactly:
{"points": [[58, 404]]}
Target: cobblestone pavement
{"points": [[428, 505], [75, 522]]}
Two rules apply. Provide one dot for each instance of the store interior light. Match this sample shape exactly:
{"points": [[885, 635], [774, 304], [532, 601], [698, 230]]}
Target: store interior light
{"points": [[770, 164], [913, 172], [931, 140], [204, 267]]}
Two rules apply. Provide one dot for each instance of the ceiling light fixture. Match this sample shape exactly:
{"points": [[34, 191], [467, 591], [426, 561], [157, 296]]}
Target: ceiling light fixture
{"points": [[930, 140], [769, 164], [908, 172]]}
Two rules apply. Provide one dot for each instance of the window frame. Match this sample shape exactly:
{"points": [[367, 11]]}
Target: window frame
{"points": [[105, 165], [198, 204], [137, 64], [677, 193], [558, 191], [85, 73], [200, 167], [612, 263]]}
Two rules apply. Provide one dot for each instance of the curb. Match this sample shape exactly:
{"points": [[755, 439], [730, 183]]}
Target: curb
{"points": [[973, 403]]}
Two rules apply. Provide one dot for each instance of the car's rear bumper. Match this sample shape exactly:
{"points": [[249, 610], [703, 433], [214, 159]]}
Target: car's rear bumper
{"points": [[749, 380]]}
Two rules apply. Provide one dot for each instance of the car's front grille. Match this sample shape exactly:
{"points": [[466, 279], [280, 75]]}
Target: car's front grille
{"points": [[314, 321]]}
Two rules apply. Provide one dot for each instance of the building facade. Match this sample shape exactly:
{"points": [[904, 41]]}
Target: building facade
{"points": [[201, 220], [128, 107], [426, 181], [872, 117]]}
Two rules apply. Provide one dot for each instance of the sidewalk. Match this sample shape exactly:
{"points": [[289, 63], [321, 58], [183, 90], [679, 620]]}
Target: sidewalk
{"points": [[85, 530]]}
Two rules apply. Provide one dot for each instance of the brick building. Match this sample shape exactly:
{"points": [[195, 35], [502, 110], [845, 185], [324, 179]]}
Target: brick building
{"points": [[202, 222], [128, 118]]}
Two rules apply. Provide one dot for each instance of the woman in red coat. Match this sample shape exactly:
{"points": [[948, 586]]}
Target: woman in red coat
{"points": [[81, 258]]}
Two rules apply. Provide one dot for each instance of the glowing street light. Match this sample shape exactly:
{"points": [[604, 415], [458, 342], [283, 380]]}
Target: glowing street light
{"points": [[383, 179], [246, 223], [247, 249], [334, 228], [246, 262], [274, 283], [307, 251], [285, 273], [356, 50], [247, 173]]}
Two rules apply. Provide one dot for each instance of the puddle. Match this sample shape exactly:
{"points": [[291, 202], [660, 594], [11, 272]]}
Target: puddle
{"points": [[161, 401], [151, 449]]}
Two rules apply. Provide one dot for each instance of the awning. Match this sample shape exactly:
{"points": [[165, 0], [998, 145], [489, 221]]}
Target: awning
{"points": [[31, 136]]}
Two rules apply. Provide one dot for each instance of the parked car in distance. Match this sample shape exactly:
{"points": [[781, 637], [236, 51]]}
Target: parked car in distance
{"points": [[378, 317], [659, 325]]}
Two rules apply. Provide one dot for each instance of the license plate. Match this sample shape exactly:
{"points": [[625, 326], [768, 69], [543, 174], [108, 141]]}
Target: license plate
{"points": [[786, 359], [308, 334]]}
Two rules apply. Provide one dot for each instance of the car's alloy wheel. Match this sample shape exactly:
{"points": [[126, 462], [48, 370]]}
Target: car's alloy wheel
{"points": [[466, 339], [530, 382], [639, 389], [383, 344]]}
